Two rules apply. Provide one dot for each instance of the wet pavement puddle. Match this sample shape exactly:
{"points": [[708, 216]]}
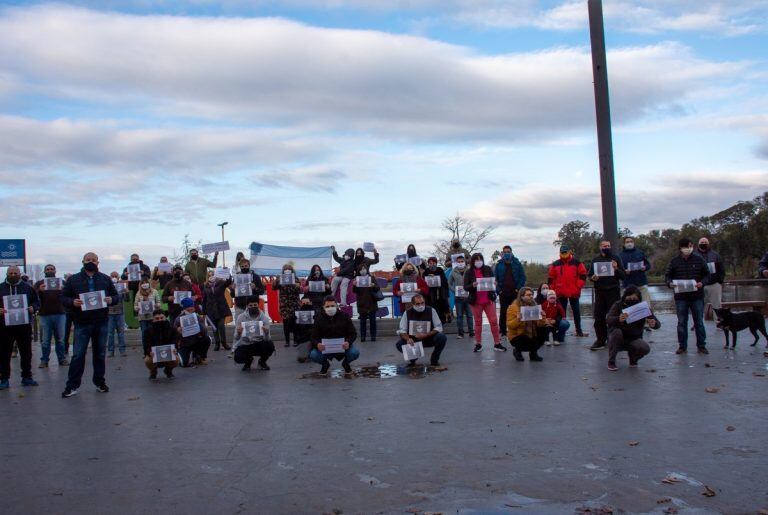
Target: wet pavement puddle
{"points": [[379, 371]]}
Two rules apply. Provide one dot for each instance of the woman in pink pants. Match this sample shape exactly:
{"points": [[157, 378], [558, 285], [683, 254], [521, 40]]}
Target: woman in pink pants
{"points": [[482, 301]]}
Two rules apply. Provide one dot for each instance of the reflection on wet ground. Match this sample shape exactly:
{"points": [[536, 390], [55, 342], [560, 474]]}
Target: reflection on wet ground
{"points": [[379, 371]]}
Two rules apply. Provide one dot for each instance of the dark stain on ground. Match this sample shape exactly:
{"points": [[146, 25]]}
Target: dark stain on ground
{"points": [[379, 371]]}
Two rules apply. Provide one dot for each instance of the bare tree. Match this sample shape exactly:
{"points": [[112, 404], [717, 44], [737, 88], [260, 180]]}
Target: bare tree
{"points": [[465, 231], [181, 255]]}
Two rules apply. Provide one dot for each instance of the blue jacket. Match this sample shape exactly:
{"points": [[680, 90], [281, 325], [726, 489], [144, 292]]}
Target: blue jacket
{"points": [[79, 283], [518, 273], [20, 288], [636, 277]]}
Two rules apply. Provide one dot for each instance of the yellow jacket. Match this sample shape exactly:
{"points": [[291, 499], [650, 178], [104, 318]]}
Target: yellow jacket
{"points": [[515, 327]]}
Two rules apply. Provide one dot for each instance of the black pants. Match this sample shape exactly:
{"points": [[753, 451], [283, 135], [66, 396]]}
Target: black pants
{"points": [[604, 299], [199, 350], [364, 319], [220, 334], [245, 353], [289, 326], [21, 335], [524, 343], [505, 300]]}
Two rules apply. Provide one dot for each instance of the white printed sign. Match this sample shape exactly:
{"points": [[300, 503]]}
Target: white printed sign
{"points": [[369, 246], [243, 278], [454, 257], [190, 324], [93, 300], [712, 268], [530, 313], [409, 287], [15, 302], [180, 295], [16, 310], [287, 279], [210, 248], [603, 268], [305, 317], [461, 292], [415, 261], [146, 307], [253, 329], [317, 286], [164, 267], [684, 285], [164, 353], [222, 273], [414, 351], [134, 272], [486, 284], [433, 281], [363, 281], [333, 345], [243, 290], [419, 327], [637, 312], [53, 283], [400, 259], [635, 267]]}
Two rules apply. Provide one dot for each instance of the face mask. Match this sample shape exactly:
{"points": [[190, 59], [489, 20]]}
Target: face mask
{"points": [[253, 311], [703, 247], [478, 264], [145, 286], [363, 271], [346, 257], [317, 273], [245, 269], [461, 266], [455, 245], [420, 308], [12, 280], [606, 252], [507, 256], [359, 255], [114, 279], [90, 267], [631, 302], [629, 246], [177, 275], [50, 274], [193, 257], [544, 292], [330, 311], [410, 272], [135, 261], [159, 324], [433, 267], [686, 251]]}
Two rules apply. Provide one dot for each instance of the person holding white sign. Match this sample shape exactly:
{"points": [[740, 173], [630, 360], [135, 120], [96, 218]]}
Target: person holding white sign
{"points": [[316, 287], [460, 299], [426, 317], [607, 272], [332, 324], [162, 273], [627, 335], [117, 320], [438, 290], [409, 275], [197, 266], [159, 333], [482, 302], [90, 325], [362, 261], [52, 317], [134, 272], [252, 336], [216, 307], [144, 297], [713, 285], [257, 286], [177, 283], [690, 267], [193, 349], [367, 302], [636, 267], [410, 255], [303, 334], [288, 296], [525, 336], [25, 300]]}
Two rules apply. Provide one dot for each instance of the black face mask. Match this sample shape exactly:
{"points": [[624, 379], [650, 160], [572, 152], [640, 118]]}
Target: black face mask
{"points": [[90, 267], [158, 326], [50, 274], [12, 280], [177, 275], [410, 272], [245, 270], [193, 258], [605, 252], [704, 247], [628, 302], [253, 312]]}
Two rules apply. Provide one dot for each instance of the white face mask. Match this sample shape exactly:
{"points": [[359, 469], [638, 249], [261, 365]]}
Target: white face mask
{"points": [[420, 308], [478, 264], [461, 266], [363, 271], [686, 251], [331, 311], [629, 246], [544, 292], [114, 279]]}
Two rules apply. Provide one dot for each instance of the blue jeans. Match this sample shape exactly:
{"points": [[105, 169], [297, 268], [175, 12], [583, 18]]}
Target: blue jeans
{"points": [[96, 334], [350, 355], [462, 310], [562, 328], [696, 307], [116, 323], [52, 326]]}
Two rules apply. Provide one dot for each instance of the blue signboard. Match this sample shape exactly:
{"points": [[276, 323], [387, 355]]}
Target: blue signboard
{"points": [[12, 253]]}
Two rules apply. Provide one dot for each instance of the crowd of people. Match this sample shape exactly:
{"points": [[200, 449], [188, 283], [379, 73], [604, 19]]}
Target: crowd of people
{"points": [[183, 310]]}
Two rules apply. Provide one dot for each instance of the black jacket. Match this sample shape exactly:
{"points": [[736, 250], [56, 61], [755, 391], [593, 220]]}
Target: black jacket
{"points": [[607, 283], [77, 284], [692, 268], [20, 288], [214, 300], [145, 272], [303, 332], [633, 331], [469, 278], [152, 338], [346, 266], [257, 288], [337, 326], [762, 266], [710, 256]]}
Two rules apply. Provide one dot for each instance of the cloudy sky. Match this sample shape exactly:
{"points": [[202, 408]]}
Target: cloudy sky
{"points": [[126, 124]]}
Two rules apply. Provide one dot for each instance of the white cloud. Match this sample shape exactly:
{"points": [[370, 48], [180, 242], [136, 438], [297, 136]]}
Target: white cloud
{"points": [[309, 178], [278, 72]]}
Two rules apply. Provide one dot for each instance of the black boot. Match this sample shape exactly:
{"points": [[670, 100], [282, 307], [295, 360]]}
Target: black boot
{"points": [[347, 367], [325, 367], [263, 364], [518, 355], [534, 356]]}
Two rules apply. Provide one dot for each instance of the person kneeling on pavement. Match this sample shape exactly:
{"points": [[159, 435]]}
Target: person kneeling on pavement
{"points": [[627, 336], [433, 332], [252, 334], [193, 349], [157, 334], [554, 315], [525, 336], [331, 323]]}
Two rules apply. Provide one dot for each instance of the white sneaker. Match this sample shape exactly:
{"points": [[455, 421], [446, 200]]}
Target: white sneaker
{"points": [[547, 342], [556, 343]]}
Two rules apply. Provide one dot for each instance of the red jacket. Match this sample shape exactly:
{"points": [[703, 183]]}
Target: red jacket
{"points": [[567, 277], [554, 311]]}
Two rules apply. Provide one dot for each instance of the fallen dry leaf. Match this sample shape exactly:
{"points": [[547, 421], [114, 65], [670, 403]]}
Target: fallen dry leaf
{"points": [[664, 500], [437, 422], [730, 428], [708, 492], [758, 374], [634, 443], [651, 370], [134, 398], [711, 389], [670, 511], [670, 480]]}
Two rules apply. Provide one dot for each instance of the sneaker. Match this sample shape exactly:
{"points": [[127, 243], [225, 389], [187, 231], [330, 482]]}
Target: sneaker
{"points": [[612, 367], [548, 343], [556, 343], [64, 363], [287, 344], [478, 347], [102, 388], [68, 392], [499, 347], [246, 367], [632, 364], [226, 346], [597, 346], [347, 367], [518, 355], [703, 350], [296, 344], [325, 367], [202, 361], [460, 336], [579, 334], [169, 373], [153, 375], [28, 381], [43, 364], [681, 350], [263, 365], [4, 385]]}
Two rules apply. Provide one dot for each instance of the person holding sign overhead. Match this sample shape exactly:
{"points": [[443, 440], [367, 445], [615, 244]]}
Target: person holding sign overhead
{"points": [[686, 274], [252, 336], [52, 316], [345, 274], [606, 272], [19, 301], [333, 337], [89, 293], [525, 330], [626, 333], [197, 267], [422, 323], [482, 301], [159, 334]]}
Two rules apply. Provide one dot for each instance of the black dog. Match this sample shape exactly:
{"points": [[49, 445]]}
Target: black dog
{"points": [[735, 322]]}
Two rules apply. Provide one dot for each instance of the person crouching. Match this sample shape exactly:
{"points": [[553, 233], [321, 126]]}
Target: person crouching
{"points": [[331, 323], [525, 336], [629, 337], [252, 334], [158, 333], [193, 349], [434, 337]]}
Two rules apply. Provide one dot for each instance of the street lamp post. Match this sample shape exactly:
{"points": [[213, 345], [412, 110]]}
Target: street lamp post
{"points": [[223, 253]]}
